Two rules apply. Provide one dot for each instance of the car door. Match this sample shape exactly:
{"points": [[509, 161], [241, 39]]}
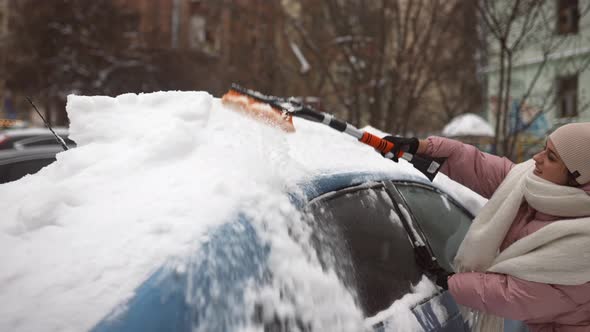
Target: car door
{"points": [[444, 222], [359, 232], [187, 297]]}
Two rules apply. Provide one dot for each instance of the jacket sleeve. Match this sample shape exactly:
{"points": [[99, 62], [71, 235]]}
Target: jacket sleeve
{"points": [[508, 296], [479, 171]]}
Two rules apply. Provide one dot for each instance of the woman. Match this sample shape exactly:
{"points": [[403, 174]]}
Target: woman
{"points": [[527, 254]]}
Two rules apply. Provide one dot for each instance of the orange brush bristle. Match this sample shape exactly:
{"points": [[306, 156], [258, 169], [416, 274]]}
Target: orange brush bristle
{"points": [[258, 110]]}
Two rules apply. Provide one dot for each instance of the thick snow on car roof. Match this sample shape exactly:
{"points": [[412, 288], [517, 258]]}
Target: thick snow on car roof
{"points": [[151, 174]]}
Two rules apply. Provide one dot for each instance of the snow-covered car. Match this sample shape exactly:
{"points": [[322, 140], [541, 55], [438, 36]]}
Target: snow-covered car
{"points": [[357, 231], [32, 137], [175, 213]]}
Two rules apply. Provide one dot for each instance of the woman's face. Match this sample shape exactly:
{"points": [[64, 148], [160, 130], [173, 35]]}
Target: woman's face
{"points": [[549, 166]]}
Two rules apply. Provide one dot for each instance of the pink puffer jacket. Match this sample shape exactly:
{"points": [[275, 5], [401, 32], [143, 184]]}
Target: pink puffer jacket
{"points": [[543, 307]]}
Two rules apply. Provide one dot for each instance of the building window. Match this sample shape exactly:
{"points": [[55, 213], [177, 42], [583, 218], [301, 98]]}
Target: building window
{"points": [[198, 32], [131, 24], [202, 35], [1, 23], [568, 17], [567, 96]]}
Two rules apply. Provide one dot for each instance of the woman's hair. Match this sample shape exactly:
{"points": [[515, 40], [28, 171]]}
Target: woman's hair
{"points": [[571, 179]]}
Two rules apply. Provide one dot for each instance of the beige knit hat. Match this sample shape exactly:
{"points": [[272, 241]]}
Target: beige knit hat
{"points": [[572, 142]]}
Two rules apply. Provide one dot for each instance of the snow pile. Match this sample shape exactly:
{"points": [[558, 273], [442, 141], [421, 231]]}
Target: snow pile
{"points": [[151, 175], [468, 124]]}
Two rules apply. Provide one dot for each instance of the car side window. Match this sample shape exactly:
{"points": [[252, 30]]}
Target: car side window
{"points": [[443, 222], [360, 234], [15, 171]]}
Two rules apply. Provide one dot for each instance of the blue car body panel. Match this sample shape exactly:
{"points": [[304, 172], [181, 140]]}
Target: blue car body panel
{"points": [[234, 255], [173, 301]]}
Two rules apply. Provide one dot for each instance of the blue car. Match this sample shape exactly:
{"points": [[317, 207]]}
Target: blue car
{"points": [[365, 227]]}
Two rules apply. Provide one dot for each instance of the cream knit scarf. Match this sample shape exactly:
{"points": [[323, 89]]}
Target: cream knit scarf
{"points": [[558, 253]]}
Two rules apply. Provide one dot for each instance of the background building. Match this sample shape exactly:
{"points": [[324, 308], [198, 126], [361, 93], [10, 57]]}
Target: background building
{"points": [[175, 24], [546, 82]]}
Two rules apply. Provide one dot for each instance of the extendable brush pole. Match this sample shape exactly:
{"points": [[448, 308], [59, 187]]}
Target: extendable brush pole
{"points": [[383, 146], [291, 107]]}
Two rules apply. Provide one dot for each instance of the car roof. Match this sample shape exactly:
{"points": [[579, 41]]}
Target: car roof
{"points": [[11, 156], [332, 182], [327, 183]]}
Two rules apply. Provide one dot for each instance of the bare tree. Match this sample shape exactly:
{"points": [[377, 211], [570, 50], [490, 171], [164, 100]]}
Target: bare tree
{"points": [[459, 87], [249, 51], [85, 47], [61, 47], [378, 61]]}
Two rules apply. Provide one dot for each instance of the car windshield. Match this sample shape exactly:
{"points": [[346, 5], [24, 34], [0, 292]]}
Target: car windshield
{"points": [[359, 232]]}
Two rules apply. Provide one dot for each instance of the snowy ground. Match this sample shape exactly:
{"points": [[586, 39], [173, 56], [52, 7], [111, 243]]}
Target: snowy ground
{"points": [[151, 174]]}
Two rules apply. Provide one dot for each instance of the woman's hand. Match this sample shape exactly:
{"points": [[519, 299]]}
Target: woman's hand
{"points": [[402, 144]]}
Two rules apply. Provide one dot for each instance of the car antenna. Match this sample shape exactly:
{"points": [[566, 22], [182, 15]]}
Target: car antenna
{"points": [[59, 139]]}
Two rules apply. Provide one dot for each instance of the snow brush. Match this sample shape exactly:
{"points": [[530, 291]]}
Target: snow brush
{"points": [[279, 112]]}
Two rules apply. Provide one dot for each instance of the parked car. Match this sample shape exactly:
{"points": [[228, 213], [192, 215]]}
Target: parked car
{"points": [[31, 137], [14, 164], [12, 123], [360, 220]]}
